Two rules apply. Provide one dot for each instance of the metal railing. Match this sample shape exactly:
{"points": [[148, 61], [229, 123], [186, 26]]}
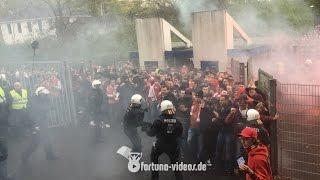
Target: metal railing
{"points": [[56, 76], [298, 131]]}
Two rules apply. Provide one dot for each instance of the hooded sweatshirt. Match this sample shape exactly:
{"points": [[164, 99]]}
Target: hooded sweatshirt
{"points": [[258, 161]]}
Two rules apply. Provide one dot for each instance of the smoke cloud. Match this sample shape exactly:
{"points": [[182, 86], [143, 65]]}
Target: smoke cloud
{"points": [[277, 24], [187, 7]]}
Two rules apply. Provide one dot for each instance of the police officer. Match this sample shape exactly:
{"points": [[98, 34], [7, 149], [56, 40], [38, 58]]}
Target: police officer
{"points": [[133, 118], [40, 109], [167, 130], [18, 102], [95, 108], [4, 112]]}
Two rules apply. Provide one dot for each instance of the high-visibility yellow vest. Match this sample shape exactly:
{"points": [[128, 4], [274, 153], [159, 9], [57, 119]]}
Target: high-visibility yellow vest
{"points": [[2, 95], [19, 101]]}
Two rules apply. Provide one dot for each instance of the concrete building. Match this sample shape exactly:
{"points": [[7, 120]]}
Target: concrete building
{"points": [[217, 42], [25, 30]]}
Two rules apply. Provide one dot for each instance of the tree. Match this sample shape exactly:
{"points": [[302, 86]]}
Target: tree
{"points": [[3, 8], [63, 11], [315, 5], [284, 15]]}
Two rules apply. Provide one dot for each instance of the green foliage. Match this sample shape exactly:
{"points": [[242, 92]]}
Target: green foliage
{"points": [[283, 15], [255, 16]]}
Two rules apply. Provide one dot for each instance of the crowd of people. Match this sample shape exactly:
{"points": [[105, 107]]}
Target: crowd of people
{"points": [[212, 108]]}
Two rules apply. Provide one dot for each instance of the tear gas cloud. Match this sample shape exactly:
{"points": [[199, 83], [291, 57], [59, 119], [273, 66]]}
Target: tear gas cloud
{"points": [[187, 7], [87, 38], [277, 32]]}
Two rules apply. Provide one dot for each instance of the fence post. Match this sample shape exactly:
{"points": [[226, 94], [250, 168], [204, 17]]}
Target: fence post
{"points": [[69, 93], [249, 74], [273, 133], [242, 75]]}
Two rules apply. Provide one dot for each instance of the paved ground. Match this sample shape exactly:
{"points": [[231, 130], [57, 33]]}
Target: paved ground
{"points": [[81, 160]]}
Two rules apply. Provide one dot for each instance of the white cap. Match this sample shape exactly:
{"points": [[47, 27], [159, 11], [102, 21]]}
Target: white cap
{"points": [[165, 105], [136, 99], [252, 115], [308, 62], [42, 90], [95, 82]]}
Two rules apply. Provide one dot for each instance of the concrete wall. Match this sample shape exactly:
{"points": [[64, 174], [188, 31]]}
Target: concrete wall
{"points": [[212, 36], [25, 35], [209, 38], [154, 38], [150, 38], [1, 36]]}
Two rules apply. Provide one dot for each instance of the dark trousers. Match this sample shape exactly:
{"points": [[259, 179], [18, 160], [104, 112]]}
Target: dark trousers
{"points": [[208, 145], [3, 153], [225, 151], [194, 142], [114, 113], [38, 138], [97, 118], [173, 151], [19, 123], [134, 137]]}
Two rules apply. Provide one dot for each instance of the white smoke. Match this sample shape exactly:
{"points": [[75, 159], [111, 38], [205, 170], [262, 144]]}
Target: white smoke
{"points": [[187, 7]]}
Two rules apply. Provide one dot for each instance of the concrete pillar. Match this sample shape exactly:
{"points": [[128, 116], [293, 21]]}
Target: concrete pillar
{"points": [[154, 38], [212, 36]]}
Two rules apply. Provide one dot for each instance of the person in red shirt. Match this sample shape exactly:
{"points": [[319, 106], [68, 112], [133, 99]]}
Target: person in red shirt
{"points": [[258, 166]]}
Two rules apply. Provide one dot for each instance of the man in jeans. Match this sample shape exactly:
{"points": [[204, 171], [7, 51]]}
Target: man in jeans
{"points": [[183, 114], [194, 131], [225, 149], [152, 92]]}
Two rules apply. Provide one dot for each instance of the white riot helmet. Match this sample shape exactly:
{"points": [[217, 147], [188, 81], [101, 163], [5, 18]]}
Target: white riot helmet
{"points": [[17, 74], [42, 90], [95, 83], [136, 99], [166, 105], [308, 62], [252, 115], [3, 77]]}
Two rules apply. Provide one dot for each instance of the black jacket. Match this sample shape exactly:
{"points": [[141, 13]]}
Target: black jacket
{"points": [[170, 97], [40, 110], [167, 130], [4, 114], [206, 115], [263, 134], [133, 117], [96, 101]]}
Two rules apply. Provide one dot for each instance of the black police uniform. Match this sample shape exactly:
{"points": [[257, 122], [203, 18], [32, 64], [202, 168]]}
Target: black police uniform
{"points": [[167, 130], [4, 113], [40, 111], [133, 118], [96, 100]]}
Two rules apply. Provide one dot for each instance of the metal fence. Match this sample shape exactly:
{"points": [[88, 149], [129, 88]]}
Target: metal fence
{"points": [[298, 131], [56, 76], [267, 84], [238, 71], [295, 136]]}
